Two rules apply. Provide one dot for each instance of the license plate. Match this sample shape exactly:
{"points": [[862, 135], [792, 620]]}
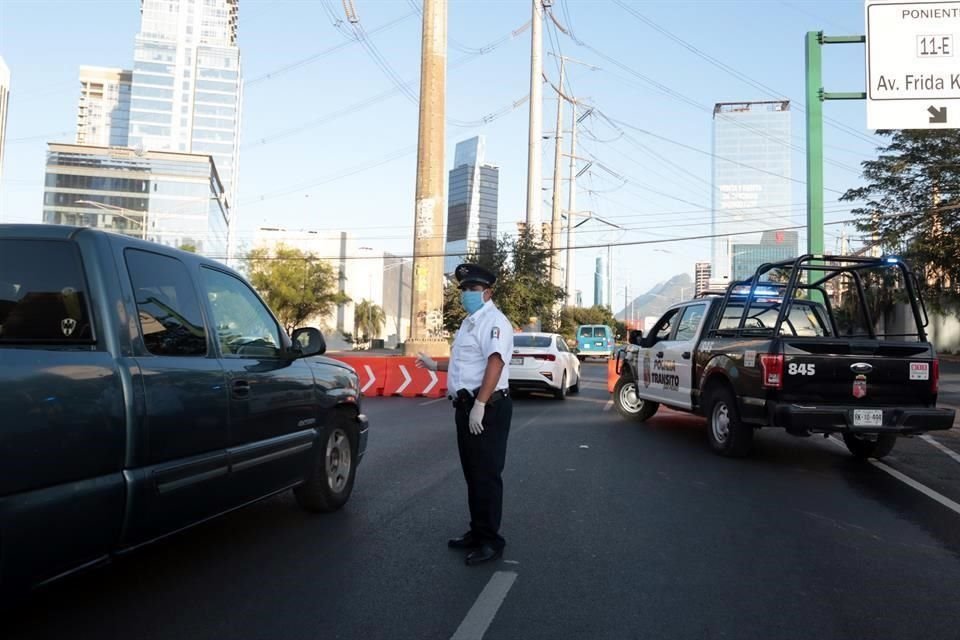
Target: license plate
{"points": [[868, 418], [516, 362]]}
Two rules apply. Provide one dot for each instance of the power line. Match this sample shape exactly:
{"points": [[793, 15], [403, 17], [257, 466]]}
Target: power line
{"points": [[630, 243], [732, 71]]}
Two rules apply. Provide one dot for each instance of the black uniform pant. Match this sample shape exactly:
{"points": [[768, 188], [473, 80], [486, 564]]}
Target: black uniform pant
{"points": [[482, 458]]}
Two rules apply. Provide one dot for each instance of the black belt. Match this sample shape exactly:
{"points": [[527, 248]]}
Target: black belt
{"points": [[464, 397]]}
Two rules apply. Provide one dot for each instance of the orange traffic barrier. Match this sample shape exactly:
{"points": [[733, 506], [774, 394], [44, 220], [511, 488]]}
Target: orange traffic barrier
{"points": [[405, 379], [372, 371], [611, 374]]}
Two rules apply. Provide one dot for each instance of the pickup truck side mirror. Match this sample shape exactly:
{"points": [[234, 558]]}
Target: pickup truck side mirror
{"points": [[636, 336], [308, 342]]}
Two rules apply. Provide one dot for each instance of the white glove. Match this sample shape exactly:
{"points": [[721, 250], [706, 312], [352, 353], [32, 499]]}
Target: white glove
{"points": [[426, 362], [476, 417]]}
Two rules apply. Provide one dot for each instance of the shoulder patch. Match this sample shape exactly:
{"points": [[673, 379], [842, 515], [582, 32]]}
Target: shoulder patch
{"points": [[495, 333]]}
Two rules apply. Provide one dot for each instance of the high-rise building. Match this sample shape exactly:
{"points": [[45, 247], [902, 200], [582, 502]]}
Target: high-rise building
{"points": [[701, 279], [175, 199], [751, 176], [4, 106], [186, 86], [598, 283], [103, 113], [472, 203], [774, 246]]}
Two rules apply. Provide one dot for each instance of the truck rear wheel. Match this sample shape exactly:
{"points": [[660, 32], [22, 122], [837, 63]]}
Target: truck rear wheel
{"points": [[872, 446], [629, 404], [333, 469], [728, 435]]}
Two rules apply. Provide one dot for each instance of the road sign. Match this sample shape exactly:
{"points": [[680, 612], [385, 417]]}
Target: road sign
{"points": [[913, 64]]}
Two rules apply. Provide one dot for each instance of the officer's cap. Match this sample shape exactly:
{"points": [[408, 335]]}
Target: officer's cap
{"points": [[471, 274]]}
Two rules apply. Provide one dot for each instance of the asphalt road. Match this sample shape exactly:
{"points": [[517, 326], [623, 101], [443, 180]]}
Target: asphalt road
{"points": [[614, 530]]}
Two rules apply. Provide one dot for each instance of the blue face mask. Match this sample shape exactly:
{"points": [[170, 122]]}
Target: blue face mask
{"points": [[472, 301]]}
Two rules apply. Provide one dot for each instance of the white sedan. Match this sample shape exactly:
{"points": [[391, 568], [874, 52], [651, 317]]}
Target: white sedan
{"points": [[543, 362]]}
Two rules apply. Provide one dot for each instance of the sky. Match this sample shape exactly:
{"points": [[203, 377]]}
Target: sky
{"points": [[323, 148]]}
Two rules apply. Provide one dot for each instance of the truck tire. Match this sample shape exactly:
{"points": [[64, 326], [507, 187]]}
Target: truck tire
{"points": [[864, 448], [333, 469], [628, 404], [727, 434]]}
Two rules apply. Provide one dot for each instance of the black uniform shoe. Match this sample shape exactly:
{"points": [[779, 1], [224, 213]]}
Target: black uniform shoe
{"points": [[486, 553], [466, 541]]}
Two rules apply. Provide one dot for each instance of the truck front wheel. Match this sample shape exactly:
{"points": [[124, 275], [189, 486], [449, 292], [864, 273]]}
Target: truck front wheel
{"points": [[329, 481], [728, 435], [629, 404], [873, 446]]}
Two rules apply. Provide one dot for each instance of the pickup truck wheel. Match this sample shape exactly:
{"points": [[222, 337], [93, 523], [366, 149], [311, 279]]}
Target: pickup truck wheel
{"points": [[629, 404], [864, 447], [728, 436], [330, 479]]}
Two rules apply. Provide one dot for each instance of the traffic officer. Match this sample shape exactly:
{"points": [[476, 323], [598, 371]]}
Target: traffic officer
{"points": [[478, 383]]}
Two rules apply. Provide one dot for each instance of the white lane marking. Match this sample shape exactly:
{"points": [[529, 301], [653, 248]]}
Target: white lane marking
{"points": [[482, 612], [608, 406], [433, 381], [945, 449], [910, 482], [372, 377], [430, 402], [406, 379]]}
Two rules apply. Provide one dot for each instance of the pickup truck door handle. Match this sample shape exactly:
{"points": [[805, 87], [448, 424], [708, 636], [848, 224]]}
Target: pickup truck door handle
{"points": [[686, 355], [241, 388], [660, 354]]}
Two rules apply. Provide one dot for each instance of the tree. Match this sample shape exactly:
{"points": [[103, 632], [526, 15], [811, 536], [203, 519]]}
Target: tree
{"points": [[368, 320], [912, 206], [189, 247], [572, 317], [523, 288], [296, 285]]}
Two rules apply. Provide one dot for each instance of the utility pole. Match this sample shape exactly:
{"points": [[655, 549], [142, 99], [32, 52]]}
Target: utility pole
{"points": [[555, 218], [571, 202], [426, 312], [534, 168], [610, 277]]}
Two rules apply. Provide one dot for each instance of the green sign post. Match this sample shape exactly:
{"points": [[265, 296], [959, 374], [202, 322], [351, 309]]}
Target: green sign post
{"points": [[815, 97]]}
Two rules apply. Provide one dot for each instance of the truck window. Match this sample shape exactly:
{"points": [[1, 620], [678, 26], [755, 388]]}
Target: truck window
{"points": [[586, 332], [245, 328], [167, 305], [690, 322], [803, 320], [662, 330], [600, 332], [43, 295]]}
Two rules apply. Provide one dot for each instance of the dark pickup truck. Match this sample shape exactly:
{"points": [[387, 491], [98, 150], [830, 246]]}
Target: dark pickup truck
{"points": [[143, 390], [774, 354]]}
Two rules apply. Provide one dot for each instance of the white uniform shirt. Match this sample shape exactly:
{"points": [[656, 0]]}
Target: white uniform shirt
{"points": [[481, 335]]}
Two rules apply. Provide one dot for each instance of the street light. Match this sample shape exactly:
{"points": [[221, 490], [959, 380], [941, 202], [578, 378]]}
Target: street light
{"points": [[142, 221]]}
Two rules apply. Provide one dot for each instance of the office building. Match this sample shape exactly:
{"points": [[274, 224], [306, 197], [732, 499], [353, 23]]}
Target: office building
{"points": [[397, 297], [175, 199], [472, 199], [103, 113], [4, 106], [701, 279], [774, 246], [186, 82], [751, 176], [598, 283]]}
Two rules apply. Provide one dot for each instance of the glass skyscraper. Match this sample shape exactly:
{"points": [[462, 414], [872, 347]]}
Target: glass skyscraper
{"points": [[472, 202], [186, 89], [751, 178]]}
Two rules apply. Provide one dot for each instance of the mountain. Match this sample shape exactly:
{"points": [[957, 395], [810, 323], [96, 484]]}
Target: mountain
{"points": [[659, 298]]}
